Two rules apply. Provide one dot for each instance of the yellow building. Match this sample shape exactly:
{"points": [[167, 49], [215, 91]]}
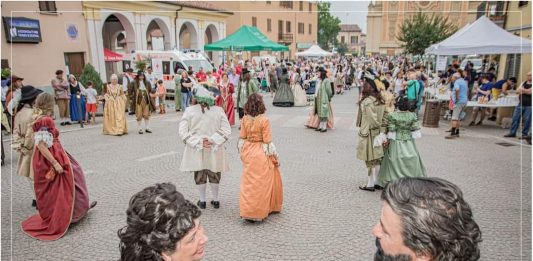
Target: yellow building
{"points": [[292, 23], [385, 18], [125, 26], [353, 37], [42, 38], [517, 21]]}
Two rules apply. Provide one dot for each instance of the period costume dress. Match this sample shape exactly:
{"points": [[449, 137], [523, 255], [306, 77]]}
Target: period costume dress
{"points": [[321, 117], [284, 96], [114, 111], [401, 158], [261, 186], [62, 199], [300, 97], [77, 111], [225, 100], [373, 123], [204, 121], [339, 82]]}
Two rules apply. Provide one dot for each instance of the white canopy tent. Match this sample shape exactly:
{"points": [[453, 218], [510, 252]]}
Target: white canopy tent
{"points": [[481, 37], [314, 51]]}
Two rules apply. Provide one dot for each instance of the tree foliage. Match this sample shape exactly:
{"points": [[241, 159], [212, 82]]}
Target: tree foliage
{"points": [[421, 31], [90, 74], [328, 26], [342, 48]]}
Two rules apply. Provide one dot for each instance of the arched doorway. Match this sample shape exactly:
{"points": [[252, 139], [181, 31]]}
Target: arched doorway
{"points": [[210, 36], [157, 36], [117, 36], [188, 36]]}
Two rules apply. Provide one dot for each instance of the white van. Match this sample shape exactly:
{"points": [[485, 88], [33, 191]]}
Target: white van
{"points": [[166, 63]]}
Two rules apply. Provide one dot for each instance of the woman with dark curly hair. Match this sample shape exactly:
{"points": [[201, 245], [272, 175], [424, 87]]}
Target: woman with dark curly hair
{"points": [[261, 187], [162, 226]]}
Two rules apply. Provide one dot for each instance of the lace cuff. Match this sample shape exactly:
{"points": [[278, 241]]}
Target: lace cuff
{"points": [[44, 136], [193, 141], [417, 134], [379, 140], [240, 144], [270, 149], [391, 135], [217, 139]]}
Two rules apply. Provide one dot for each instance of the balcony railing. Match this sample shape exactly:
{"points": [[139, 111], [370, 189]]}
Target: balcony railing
{"points": [[285, 38]]}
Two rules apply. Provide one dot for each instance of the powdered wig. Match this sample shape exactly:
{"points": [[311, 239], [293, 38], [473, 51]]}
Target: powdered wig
{"points": [[45, 103], [158, 217], [435, 218], [113, 77]]}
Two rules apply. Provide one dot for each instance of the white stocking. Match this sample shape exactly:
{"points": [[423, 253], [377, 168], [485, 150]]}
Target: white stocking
{"points": [[146, 124], [375, 173], [214, 190], [201, 189], [370, 183], [139, 124]]}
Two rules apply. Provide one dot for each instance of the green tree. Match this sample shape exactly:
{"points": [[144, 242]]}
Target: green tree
{"points": [[421, 31], [342, 48], [328, 26], [90, 74]]}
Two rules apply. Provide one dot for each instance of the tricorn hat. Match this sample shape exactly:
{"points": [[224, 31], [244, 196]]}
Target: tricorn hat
{"points": [[29, 93]]}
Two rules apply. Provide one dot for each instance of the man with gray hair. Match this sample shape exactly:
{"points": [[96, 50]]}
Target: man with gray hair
{"points": [[425, 219], [459, 100]]}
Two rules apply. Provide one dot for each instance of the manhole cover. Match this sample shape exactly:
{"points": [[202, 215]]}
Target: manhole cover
{"points": [[505, 144]]}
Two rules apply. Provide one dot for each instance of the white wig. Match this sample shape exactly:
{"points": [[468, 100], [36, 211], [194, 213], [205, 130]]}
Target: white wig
{"points": [[113, 77]]}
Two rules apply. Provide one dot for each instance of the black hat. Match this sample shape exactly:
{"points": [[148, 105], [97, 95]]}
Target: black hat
{"points": [[29, 93], [129, 70], [139, 73], [321, 69], [245, 71]]}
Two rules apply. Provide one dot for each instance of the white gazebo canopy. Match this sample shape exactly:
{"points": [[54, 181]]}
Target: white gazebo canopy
{"points": [[481, 37], [314, 51]]}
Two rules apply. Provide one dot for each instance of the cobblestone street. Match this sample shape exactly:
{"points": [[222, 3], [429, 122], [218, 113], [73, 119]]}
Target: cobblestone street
{"points": [[325, 215]]}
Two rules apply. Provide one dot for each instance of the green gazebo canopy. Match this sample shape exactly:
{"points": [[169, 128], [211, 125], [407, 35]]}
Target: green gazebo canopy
{"points": [[247, 38]]}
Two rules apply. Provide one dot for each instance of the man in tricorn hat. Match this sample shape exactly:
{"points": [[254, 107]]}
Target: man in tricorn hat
{"points": [[23, 133], [243, 92], [141, 90]]}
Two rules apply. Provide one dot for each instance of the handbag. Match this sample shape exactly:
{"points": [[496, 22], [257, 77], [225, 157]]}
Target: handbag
{"points": [[50, 174]]}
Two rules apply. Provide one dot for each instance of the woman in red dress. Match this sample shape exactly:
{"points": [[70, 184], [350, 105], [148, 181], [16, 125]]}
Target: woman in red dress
{"points": [[225, 99], [59, 183]]}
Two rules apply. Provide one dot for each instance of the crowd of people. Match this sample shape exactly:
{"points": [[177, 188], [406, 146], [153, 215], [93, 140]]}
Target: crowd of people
{"points": [[422, 218]]}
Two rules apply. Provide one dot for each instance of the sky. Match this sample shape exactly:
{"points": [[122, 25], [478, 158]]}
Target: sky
{"points": [[351, 12]]}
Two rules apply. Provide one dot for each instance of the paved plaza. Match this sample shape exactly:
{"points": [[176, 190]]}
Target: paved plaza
{"points": [[325, 216]]}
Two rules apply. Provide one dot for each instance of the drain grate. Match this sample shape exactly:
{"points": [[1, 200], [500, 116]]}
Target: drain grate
{"points": [[505, 144]]}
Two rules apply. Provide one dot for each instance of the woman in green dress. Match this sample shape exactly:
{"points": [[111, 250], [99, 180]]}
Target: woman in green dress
{"points": [[401, 159], [372, 129]]}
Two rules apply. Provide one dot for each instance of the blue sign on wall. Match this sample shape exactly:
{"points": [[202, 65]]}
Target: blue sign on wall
{"points": [[22, 30], [72, 32]]}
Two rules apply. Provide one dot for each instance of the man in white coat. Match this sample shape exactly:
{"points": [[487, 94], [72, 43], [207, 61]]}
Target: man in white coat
{"points": [[204, 128]]}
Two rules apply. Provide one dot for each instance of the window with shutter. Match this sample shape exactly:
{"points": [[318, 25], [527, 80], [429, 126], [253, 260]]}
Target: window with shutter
{"points": [[47, 6], [513, 65]]}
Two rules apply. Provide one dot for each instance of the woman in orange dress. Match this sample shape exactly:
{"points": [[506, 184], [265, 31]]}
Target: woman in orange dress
{"points": [[261, 187]]}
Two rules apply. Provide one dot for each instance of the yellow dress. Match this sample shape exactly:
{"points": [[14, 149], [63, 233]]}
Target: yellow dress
{"points": [[114, 111], [261, 186]]}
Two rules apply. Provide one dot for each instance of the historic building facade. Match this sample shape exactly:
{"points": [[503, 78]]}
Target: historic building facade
{"points": [[353, 37], [123, 27], [385, 18], [518, 22], [43, 37], [292, 23]]}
